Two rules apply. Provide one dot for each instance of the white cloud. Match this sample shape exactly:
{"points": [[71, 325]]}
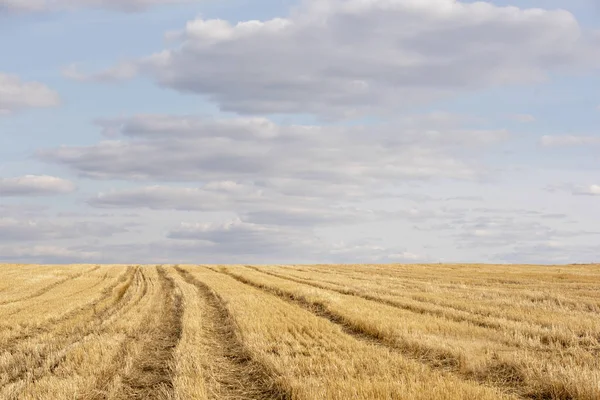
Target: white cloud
{"points": [[575, 189], [120, 5], [242, 238], [569, 140], [16, 94], [215, 232], [590, 190], [405, 256], [255, 204], [20, 230], [213, 196], [35, 185], [258, 151], [343, 58]]}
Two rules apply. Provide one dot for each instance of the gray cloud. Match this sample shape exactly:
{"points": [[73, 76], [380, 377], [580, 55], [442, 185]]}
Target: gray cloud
{"points": [[254, 204], [34, 185], [305, 216], [248, 150], [47, 254], [343, 58], [22, 210], [16, 94], [505, 228], [234, 241], [550, 252], [31, 230], [240, 237], [215, 196]]}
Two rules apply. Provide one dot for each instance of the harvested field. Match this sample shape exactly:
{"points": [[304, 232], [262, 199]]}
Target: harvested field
{"points": [[300, 332]]}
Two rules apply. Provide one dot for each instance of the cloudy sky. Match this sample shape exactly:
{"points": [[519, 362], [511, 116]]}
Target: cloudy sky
{"points": [[307, 131]]}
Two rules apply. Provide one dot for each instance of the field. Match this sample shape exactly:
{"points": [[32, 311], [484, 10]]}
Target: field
{"points": [[300, 332]]}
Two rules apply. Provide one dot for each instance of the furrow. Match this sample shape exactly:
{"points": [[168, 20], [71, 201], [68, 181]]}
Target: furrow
{"points": [[504, 378], [234, 374], [151, 375], [40, 353], [50, 325], [544, 339]]}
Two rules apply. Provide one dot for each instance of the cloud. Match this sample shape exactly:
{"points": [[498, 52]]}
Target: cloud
{"points": [[35, 185], [47, 254], [590, 190], [31, 230], [237, 242], [281, 181], [22, 210], [569, 140], [239, 237], [575, 189], [311, 216], [254, 204], [212, 197], [405, 256], [256, 151], [118, 5], [336, 58], [242, 238], [16, 94], [550, 252], [215, 233], [488, 228]]}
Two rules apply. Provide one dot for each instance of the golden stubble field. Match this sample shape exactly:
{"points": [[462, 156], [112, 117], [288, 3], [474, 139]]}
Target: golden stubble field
{"points": [[300, 332]]}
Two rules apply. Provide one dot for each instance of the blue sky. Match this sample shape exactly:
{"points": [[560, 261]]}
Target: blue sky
{"points": [[323, 131]]}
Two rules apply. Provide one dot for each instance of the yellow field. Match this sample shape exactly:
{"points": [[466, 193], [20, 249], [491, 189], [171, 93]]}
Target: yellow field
{"points": [[300, 332]]}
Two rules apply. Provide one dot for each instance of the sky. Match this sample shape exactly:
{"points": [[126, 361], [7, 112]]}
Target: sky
{"points": [[308, 131]]}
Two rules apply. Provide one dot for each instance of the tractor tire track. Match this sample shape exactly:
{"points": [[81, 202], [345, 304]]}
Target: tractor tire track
{"points": [[52, 324], [236, 375], [41, 362], [505, 378], [546, 339], [151, 376]]}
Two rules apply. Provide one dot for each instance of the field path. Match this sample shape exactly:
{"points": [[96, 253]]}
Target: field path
{"points": [[482, 319], [151, 375], [505, 378], [230, 372]]}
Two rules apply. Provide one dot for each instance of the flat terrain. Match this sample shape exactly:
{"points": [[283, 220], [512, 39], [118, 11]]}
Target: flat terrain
{"points": [[300, 332]]}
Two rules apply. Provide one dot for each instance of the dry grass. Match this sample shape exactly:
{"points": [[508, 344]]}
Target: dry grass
{"points": [[300, 332]]}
